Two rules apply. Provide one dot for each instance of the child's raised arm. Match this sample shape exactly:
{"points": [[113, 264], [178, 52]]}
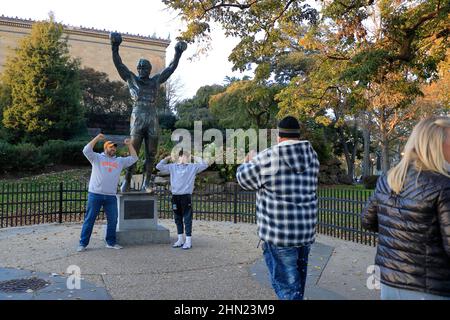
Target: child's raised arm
{"points": [[200, 164], [163, 165]]}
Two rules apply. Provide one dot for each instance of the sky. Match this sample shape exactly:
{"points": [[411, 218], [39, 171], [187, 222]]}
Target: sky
{"points": [[144, 17]]}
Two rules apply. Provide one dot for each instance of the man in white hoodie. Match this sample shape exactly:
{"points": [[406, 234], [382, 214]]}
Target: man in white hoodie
{"points": [[106, 169]]}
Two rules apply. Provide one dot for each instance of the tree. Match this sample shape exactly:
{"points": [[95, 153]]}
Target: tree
{"points": [[318, 93], [44, 85], [5, 99], [389, 50], [107, 103], [395, 34], [436, 95], [399, 45], [382, 52], [197, 108], [246, 104], [258, 24], [173, 88], [102, 96], [167, 114]]}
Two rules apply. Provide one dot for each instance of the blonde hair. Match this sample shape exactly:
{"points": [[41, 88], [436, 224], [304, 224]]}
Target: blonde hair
{"points": [[424, 149]]}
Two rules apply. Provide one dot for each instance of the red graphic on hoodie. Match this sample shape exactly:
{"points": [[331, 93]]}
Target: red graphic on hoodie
{"points": [[110, 165]]}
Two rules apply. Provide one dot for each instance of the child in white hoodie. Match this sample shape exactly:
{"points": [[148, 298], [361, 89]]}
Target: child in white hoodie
{"points": [[182, 179]]}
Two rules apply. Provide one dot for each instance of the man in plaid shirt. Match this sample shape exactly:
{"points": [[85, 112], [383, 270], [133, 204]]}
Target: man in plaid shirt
{"points": [[285, 177]]}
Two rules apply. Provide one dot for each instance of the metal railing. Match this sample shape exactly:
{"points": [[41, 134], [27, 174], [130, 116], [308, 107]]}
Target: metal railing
{"points": [[34, 203]]}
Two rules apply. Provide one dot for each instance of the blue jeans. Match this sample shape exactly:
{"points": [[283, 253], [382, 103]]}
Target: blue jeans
{"points": [[94, 204], [287, 267], [391, 293]]}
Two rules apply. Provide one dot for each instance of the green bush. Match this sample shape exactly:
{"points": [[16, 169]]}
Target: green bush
{"points": [[53, 151], [167, 121], [228, 171], [28, 157], [21, 157], [64, 152], [7, 156], [74, 153]]}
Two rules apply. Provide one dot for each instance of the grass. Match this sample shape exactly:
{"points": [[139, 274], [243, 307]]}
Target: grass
{"points": [[36, 199]]}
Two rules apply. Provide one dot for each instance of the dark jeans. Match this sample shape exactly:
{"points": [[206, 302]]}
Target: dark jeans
{"points": [[182, 210], [287, 267], [94, 204]]}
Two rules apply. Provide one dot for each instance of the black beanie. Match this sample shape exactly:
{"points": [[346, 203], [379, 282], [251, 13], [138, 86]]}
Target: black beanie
{"points": [[289, 127]]}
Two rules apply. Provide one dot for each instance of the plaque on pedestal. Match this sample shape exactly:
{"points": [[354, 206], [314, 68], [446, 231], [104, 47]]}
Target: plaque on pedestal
{"points": [[138, 219]]}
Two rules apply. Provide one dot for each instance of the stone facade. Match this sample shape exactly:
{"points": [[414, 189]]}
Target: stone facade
{"points": [[90, 45]]}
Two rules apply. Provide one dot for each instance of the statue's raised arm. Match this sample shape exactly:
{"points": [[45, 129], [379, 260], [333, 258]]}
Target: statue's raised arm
{"points": [[180, 47], [116, 40]]}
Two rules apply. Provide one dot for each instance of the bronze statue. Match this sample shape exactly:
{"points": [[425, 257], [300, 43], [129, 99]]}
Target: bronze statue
{"points": [[144, 124]]}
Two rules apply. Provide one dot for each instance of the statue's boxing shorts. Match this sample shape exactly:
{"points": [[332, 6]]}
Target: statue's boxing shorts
{"points": [[144, 124]]}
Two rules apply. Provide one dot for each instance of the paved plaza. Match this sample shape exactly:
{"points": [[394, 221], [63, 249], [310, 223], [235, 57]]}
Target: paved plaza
{"points": [[224, 263]]}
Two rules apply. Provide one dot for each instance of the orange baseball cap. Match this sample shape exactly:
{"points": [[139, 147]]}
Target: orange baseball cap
{"points": [[108, 144]]}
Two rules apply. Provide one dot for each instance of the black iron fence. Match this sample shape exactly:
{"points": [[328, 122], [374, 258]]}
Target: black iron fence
{"points": [[34, 203]]}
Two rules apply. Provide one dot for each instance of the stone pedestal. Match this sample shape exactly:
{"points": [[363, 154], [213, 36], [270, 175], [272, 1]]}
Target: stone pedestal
{"points": [[138, 219]]}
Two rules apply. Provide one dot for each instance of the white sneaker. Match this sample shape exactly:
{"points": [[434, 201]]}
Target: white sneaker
{"points": [[187, 246], [81, 249], [178, 244], [116, 246]]}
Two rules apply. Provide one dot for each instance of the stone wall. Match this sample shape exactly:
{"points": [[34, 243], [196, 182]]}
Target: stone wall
{"points": [[90, 45]]}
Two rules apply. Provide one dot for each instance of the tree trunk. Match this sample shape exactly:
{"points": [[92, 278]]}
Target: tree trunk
{"points": [[348, 158], [355, 149], [366, 137], [385, 163]]}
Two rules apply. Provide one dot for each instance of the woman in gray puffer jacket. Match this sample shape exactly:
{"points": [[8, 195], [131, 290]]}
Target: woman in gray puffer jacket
{"points": [[410, 210]]}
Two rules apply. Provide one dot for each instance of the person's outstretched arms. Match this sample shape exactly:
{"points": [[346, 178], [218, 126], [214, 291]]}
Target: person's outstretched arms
{"points": [[130, 160], [116, 40], [167, 72], [248, 174], [88, 150], [164, 165], [200, 164]]}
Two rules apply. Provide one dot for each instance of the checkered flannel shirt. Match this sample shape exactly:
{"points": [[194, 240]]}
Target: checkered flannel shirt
{"points": [[285, 177]]}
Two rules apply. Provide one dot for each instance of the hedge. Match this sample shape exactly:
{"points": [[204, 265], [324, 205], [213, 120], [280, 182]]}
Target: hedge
{"points": [[28, 157]]}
